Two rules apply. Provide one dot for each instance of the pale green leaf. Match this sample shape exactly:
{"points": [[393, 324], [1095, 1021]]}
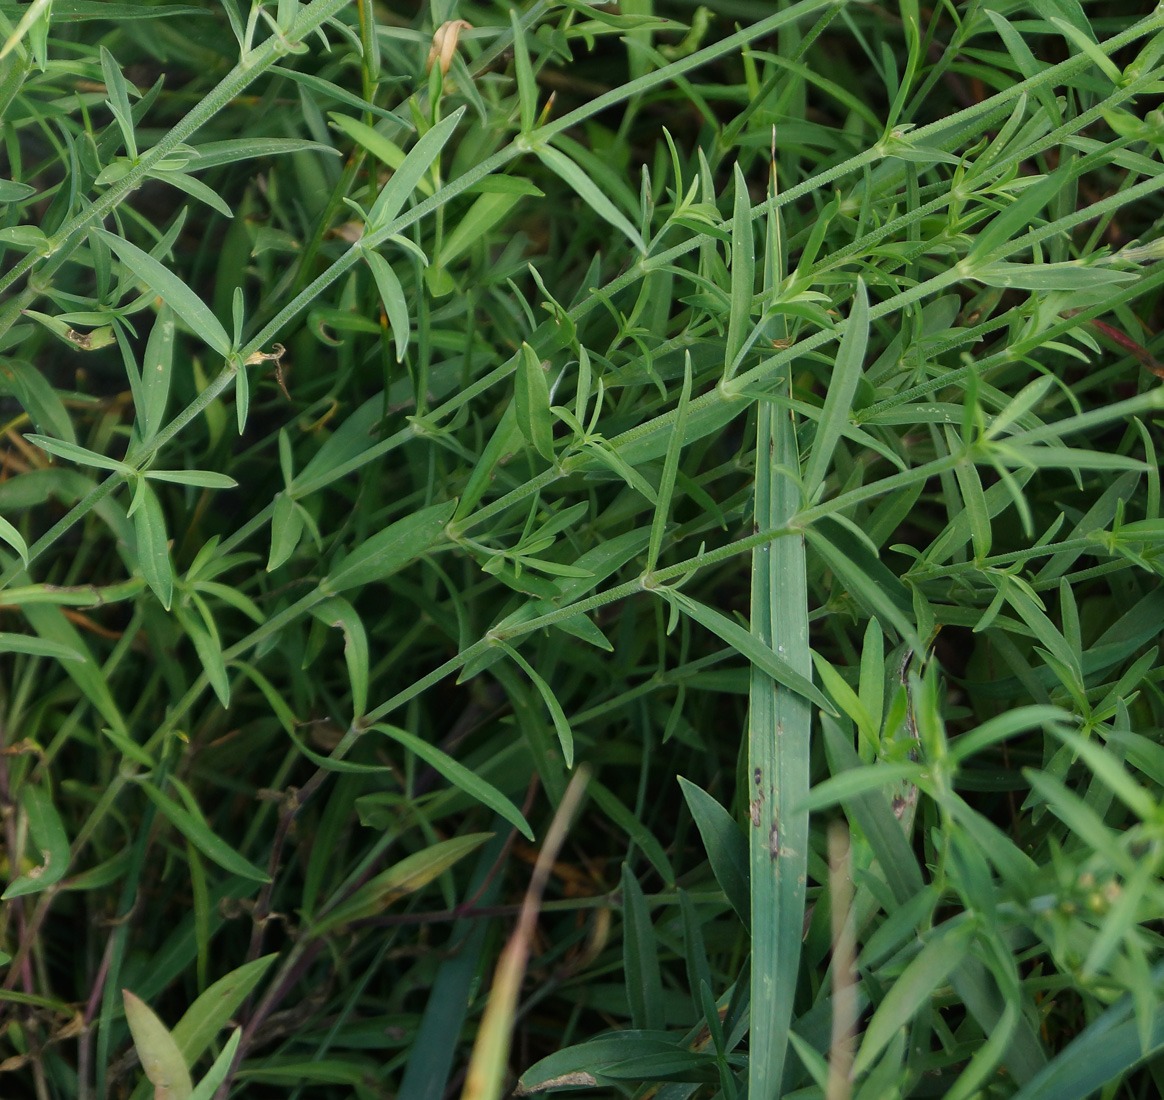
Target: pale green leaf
{"points": [[161, 1060]]}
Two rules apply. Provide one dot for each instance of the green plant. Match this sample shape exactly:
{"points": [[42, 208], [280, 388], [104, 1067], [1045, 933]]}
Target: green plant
{"points": [[856, 294]]}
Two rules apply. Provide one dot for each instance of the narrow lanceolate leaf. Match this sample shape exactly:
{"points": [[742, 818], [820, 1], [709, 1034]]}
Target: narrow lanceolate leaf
{"points": [[392, 295], [412, 873], [586, 189], [561, 723], [637, 830], [242, 398], [39, 647], [460, 776], [217, 1072], [118, 101], [1108, 1047], [506, 440], [201, 479], [640, 954], [670, 470], [153, 551], [486, 212], [212, 154], [1069, 275], [213, 1009], [842, 386], [161, 1060], [532, 401], [857, 781], [157, 368], [55, 629], [48, 834], [201, 629], [936, 962], [286, 529], [175, 293], [727, 850], [381, 147], [772, 660], [743, 274], [61, 448], [42, 403], [404, 180], [14, 539], [339, 613], [867, 580], [195, 830], [390, 549], [527, 91], [1007, 225]]}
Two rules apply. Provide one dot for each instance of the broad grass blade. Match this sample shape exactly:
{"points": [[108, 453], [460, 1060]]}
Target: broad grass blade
{"points": [[779, 724]]}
